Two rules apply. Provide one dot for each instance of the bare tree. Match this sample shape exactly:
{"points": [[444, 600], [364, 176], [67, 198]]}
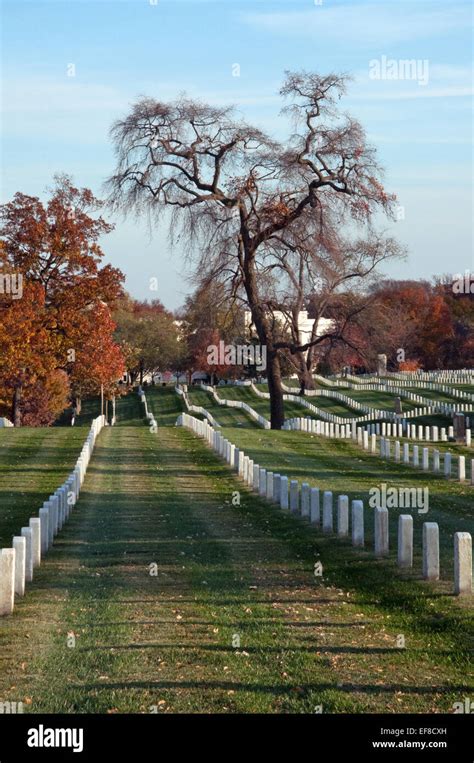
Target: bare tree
{"points": [[314, 273], [234, 191]]}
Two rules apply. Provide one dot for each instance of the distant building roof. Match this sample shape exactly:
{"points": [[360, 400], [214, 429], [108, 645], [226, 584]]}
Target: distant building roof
{"points": [[305, 323]]}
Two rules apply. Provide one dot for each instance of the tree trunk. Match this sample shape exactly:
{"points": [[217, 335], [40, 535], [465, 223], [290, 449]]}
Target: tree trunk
{"points": [[265, 335], [78, 405], [305, 377], [16, 408], [306, 380], [277, 412], [309, 366]]}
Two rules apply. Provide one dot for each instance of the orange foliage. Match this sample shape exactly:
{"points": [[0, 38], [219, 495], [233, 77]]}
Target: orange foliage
{"points": [[59, 329]]}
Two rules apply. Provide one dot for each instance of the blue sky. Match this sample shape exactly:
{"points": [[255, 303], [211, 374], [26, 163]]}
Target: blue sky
{"points": [[52, 122]]}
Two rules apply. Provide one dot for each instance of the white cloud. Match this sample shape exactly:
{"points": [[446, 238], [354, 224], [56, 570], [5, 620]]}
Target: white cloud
{"points": [[367, 23]]}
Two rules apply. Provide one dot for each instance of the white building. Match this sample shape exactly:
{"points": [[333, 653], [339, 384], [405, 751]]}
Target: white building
{"points": [[305, 324]]}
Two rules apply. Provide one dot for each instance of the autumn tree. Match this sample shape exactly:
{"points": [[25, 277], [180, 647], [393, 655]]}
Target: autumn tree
{"points": [[98, 362], [409, 321], [65, 306], [235, 191], [148, 335], [210, 316], [27, 361], [459, 352]]}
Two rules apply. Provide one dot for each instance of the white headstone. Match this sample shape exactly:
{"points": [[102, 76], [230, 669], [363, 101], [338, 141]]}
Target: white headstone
{"points": [[250, 473], [315, 512], [416, 459], [343, 516], [357, 523], [28, 535], [447, 465], [35, 526], [294, 497], [426, 459], [381, 531], [269, 493], [284, 492], [328, 521], [44, 517], [305, 508], [462, 563], [19, 544], [405, 540], [7, 580], [406, 453], [430, 551], [276, 488], [256, 477]]}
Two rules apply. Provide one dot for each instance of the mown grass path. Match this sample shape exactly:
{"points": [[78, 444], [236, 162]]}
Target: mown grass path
{"points": [[235, 620]]}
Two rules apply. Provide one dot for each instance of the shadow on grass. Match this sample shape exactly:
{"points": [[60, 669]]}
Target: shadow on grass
{"points": [[261, 688]]}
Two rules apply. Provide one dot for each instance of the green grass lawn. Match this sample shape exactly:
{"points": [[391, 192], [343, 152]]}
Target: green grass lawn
{"points": [[432, 394], [224, 416], [463, 387], [235, 619], [380, 400], [292, 410], [33, 463], [384, 401]]}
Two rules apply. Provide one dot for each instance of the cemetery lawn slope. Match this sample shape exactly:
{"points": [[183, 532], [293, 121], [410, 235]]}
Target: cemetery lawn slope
{"points": [[234, 620], [225, 416], [344, 468]]}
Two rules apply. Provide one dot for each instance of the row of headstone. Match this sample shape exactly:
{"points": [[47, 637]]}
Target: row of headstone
{"points": [[148, 414], [393, 418], [18, 562], [384, 429], [261, 420], [399, 388], [319, 427], [368, 411], [457, 376], [428, 406], [428, 459], [182, 391], [434, 381], [307, 502]]}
